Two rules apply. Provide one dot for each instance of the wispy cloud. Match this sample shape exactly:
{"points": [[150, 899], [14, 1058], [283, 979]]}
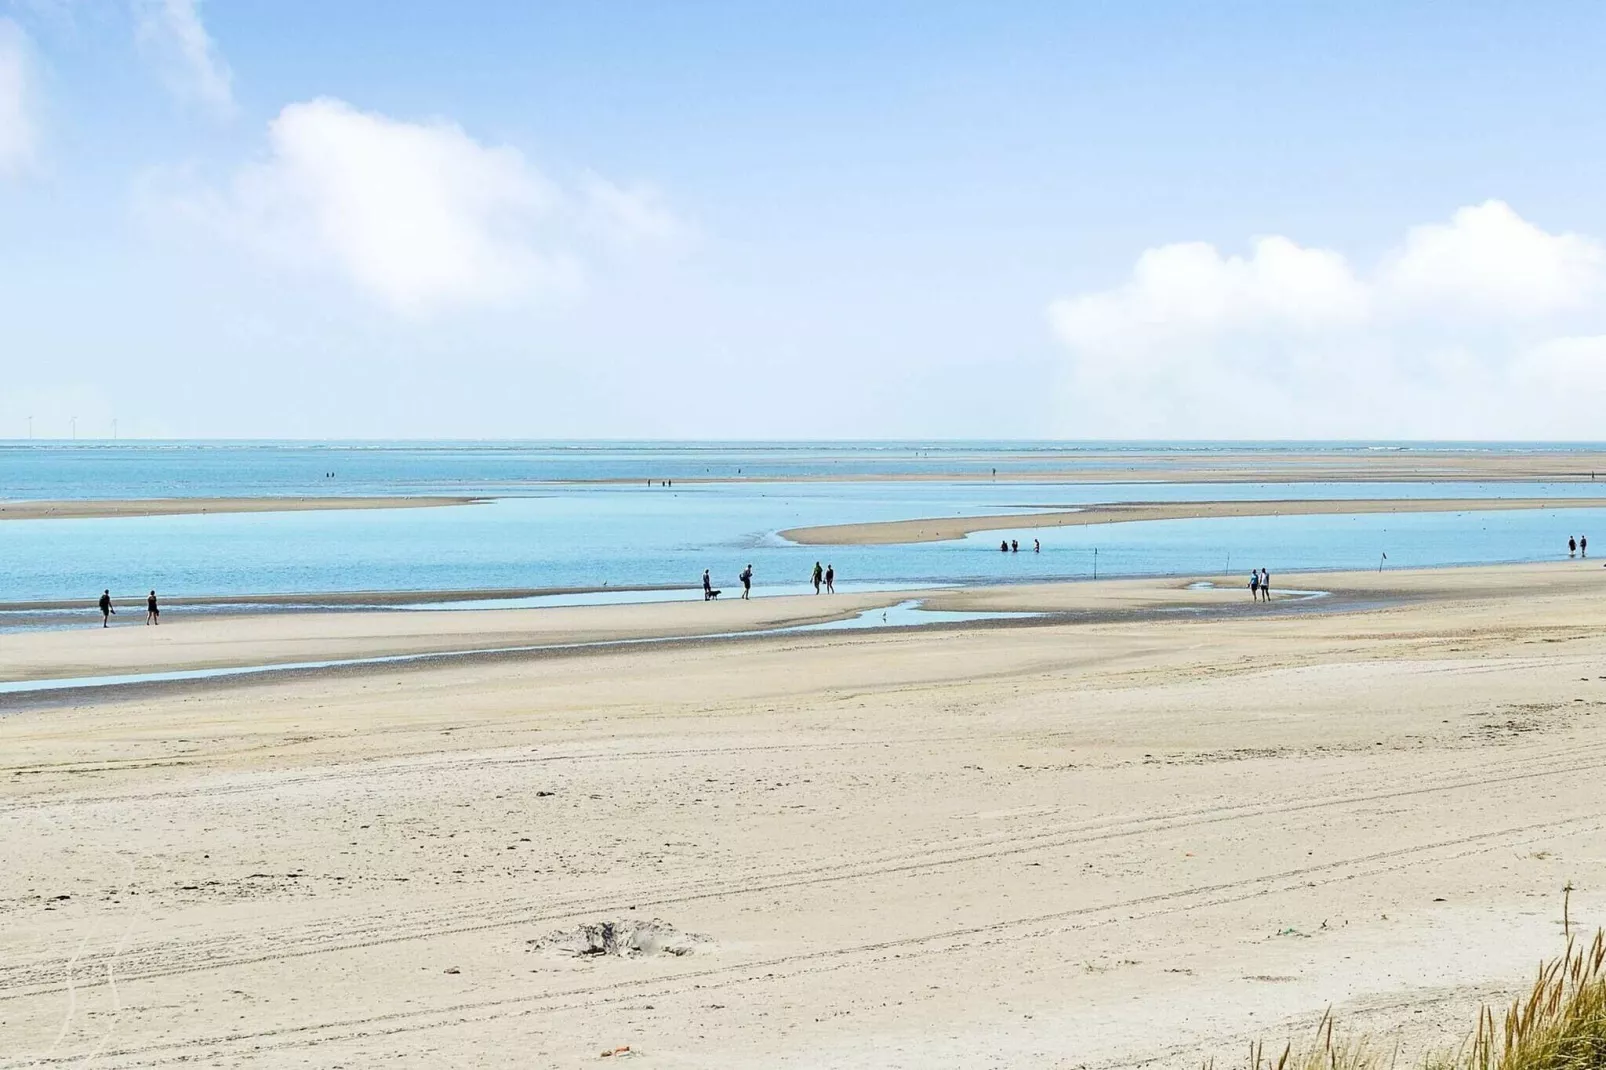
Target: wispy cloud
{"points": [[171, 33], [419, 216], [18, 132]]}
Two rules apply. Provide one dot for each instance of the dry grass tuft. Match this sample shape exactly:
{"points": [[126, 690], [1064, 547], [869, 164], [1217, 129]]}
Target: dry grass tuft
{"points": [[1560, 1025]]}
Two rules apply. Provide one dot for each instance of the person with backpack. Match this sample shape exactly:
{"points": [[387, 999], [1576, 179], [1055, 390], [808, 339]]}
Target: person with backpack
{"points": [[747, 580]]}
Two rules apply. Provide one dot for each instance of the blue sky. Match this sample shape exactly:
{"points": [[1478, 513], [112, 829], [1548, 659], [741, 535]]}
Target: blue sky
{"points": [[701, 220]]}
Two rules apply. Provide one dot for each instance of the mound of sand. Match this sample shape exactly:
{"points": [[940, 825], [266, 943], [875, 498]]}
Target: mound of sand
{"points": [[628, 938]]}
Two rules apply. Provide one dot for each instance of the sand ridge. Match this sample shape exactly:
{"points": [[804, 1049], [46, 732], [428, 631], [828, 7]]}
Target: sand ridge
{"points": [[944, 529], [87, 509]]}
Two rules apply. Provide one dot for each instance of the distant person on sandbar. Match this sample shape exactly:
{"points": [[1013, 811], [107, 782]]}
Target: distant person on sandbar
{"points": [[1265, 585], [830, 579], [708, 586], [106, 609], [1583, 546], [153, 613], [747, 580], [1572, 546], [819, 574], [1037, 547], [1254, 584]]}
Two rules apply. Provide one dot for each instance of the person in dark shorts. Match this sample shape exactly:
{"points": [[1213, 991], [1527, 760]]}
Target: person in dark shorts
{"points": [[830, 579], [106, 609], [747, 580], [1254, 585], [708, 586], [1265, 585], [153, 612], [818, 575]]}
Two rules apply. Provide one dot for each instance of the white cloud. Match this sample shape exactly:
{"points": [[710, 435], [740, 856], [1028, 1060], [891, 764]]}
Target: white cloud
{"points": [[18, 133], [1485, 326], [1490, 260], [1189, 289], [417, 215], [171, 32]]}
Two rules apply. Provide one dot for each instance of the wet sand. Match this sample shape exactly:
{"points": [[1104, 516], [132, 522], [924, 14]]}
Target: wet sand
{"points": [[943, 529], [69, 509], [265, 638], [331, 599], [1102, 844]]}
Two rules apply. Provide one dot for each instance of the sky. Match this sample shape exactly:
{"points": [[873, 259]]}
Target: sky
{"points": [[900, 220]]}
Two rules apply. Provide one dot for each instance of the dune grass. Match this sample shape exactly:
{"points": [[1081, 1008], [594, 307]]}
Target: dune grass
{"points": [[1559, 1025]]}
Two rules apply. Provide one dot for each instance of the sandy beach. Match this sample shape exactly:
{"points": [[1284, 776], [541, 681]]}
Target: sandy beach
{"points": [[101, 508], [1144, 840], [943, 529]]}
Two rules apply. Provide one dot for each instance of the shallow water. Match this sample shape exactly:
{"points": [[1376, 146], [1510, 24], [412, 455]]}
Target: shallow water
{"points": [[216, 468], [626, 535]]}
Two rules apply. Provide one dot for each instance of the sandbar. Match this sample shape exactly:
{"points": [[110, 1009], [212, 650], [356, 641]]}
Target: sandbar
{"points": [[70, 509], [943, 529], [1215, 465], [1148, 842]]}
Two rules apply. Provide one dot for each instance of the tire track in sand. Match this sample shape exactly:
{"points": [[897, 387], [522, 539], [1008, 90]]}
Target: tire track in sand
{"points": [[337, 935], [1137, 908]]}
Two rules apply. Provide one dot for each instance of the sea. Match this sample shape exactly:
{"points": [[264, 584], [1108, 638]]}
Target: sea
{"points": [[612, 521]]}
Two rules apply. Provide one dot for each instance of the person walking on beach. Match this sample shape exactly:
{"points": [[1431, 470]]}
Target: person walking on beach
{"points": [[830, 579], [1572, 546], [708, 587], [153, 613], [819, 574], [747, 580], [1254, 585], [106, 609], [1583, 546], [1265, 585]]}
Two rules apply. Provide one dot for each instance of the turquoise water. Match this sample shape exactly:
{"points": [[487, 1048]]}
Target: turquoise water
{"points": [[32, 470], [592, 534]]}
